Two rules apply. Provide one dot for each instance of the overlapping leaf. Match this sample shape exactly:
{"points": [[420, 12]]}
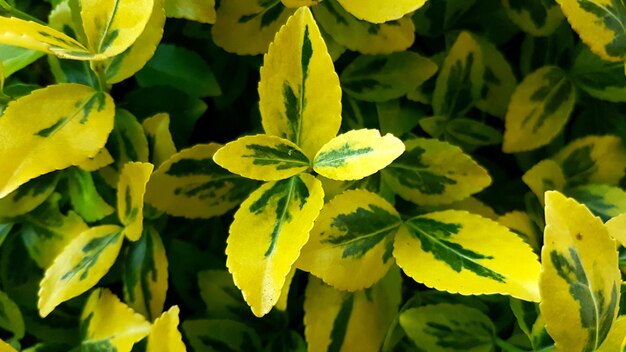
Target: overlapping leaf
{"points": [[544, 176], [537, 17], [196, 10], [164, 335], [160, 142], [379, 11], [28, 197], [130, 194]]}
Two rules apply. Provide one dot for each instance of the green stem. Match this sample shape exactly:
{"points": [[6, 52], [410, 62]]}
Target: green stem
{"points": [[506, 346], [98, 68]]}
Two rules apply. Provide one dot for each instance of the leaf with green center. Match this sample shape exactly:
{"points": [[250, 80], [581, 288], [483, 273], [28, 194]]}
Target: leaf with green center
{"points": [[202, 11], [499, 80], [600, 24], [546, 175], [449, 327], [536, 17], [130, 193], [28, 197], [35, 139], [160, 142], [350, 321], [192, 185], [580, 279], [145, 275], [379, 11], [112, 26], [351, 243], [601, 79], [300, 96], [164, 335], [460, 81], [107, 324], [79, 266], [128, 141], [221, 335], [471, 133], [362, 36], [382, 78], [459, 252], [246, 27], [357, 154], [540, 106], [262, 157], [604, 201], [266, 236], [431, 172]]}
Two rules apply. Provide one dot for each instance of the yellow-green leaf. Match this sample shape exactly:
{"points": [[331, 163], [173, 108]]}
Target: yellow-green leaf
{"points": [[536, 17], [51, 129], [28, 197], [379, 11], [130, 194], [593, 159], [362, 36], [357, 154], [266, 236], [246, 27], [137, 55], [350, 321], [352, 240], [299, 3], [11, 317], [545, 176], [617, 228], [599, 78], [107, 324], [521, 224], [192, 185], [220, 295], [81, 264], [102, 159], [499, 80], [460, 81], [616, 336], [84, 196], [262, 157], [604, 201], [35, 36], [14, 58], [5, 347], [448, 327], [281, 304], [229, 335], [157, 130], [164, 335], [127, 142], [580, 280], [300, 96], [431, 172], [539, 108], [145, 275], [112, 26], [459, 252], [600, 25], [195, 10]]}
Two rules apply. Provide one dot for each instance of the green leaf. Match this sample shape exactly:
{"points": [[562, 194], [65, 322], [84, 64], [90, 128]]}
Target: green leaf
{"points": [[351, 242], [536, 17], [220, 295], [448, 327], [14, 58], [431, 172], [382, 78], [160, 142], [85, 198], [181, 69], [221, 335], [540, 106], [11, 317], [28, 197], [601, 79], [604, 201], [467, 132]]}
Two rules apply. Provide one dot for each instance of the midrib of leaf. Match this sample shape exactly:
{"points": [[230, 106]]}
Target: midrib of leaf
{"points": [[292, 161], [611, 14], [553, 90], [98, 252], [595, 307], [108, 25], [371, 234], [281, 217]]}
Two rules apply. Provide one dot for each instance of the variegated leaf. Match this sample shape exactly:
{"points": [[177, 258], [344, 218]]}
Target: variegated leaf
{"points": [[521, 224], [545, 176], [601, 79], [79, 266], [300, 96], [194, 10], [499, 80], [28, 197], [130, 193], [459, 252], [164, 335], [160, 142], [604, 201], [220, 295], [84, 196], [617, 336], [35, 140], [192, 185], [431, 172], [11, 318], [580, 279], [539, 108], [352, 240], [379, 11], [536, 17], [266, 236], [357, 154]]}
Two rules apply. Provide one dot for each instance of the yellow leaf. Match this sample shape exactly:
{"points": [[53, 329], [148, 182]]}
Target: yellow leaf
{"points": [[145, 275], [262, 157], [459, 252], [246, 27], [81, 264], [616, 336], [580, 280], [351, 242], [299, 3], [107, 324], [600, 24], [284, 293], [433, 172], [51, 129], [539, 108], [5, 347], [617, 228], [136, 56], [379, 11], [300, 96], [472, 205], [130, 193], [35, 36], [362, 36], [192, 185], [266, 236], [112, 26], [350, 321], [157, 129], [102, 159], [520, 223], [28, 197], [546, 175], [164, 335], [195, 10], [357, 154]]}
